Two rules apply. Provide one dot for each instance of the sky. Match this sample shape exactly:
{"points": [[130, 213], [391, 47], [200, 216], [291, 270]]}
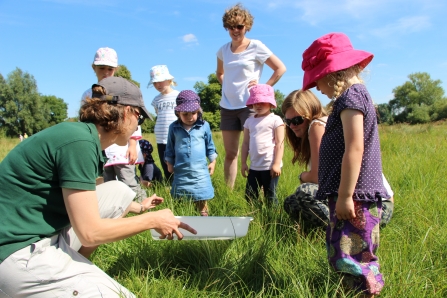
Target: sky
{"points": [[56, 40]]}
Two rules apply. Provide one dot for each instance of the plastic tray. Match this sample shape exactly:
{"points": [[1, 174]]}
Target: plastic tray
{"points": [[212, 227]]}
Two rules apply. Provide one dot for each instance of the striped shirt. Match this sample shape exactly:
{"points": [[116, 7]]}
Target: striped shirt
{"points": [[164, 105]]}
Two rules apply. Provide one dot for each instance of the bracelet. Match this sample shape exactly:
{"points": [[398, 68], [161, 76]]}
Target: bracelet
{"points": [[141, 208]]}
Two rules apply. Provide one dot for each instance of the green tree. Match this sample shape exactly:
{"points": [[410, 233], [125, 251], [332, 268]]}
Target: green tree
{"points": [[210, 94], [123, 72], [54, 109], [20, 108], [279, 97], [385, 115], [414, 100]]}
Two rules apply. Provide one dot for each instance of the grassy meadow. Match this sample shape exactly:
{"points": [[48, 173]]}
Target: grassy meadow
{"points": [[278, 258]]}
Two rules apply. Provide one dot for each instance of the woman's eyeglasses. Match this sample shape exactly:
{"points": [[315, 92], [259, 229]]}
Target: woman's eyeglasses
{"points": [[238, 27], [140, 117], [295, 120]]}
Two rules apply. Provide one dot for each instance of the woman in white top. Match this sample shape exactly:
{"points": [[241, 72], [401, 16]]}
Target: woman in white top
{"points": [[305, 120], [239, 67]]}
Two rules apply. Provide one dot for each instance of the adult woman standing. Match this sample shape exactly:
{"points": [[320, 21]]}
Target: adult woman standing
{"points": [[306, 120], [53, 215], [239, 67]]}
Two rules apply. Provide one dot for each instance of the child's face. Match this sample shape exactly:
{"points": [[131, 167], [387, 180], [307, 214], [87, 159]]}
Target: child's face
{"points": [[103, 71], [262, 109], [163, 87], [326, 86], [189, 118]]}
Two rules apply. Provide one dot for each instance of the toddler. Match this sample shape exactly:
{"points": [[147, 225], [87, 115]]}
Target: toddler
{"points": [[189, 145], [149, 171], [264, 142]]}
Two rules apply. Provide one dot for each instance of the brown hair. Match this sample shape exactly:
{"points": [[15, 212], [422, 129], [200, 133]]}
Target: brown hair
{"points": [[309, 106], [100, 112], [238, 11]]}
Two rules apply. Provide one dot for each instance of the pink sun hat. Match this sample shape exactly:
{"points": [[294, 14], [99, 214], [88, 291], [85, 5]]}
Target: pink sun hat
{"points": [[261, 93], [330, 53]]}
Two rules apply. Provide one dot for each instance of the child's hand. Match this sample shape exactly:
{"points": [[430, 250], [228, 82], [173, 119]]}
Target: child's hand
{"points": [[151, 202], [211, 167], [275, 171], [252, 83], [344, 208], [170, 168], [244, 170], [131, 154]]}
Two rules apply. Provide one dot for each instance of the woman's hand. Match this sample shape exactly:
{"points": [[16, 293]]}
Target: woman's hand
{"points": [[252, 83], [151, 202], [344, 208], [167, 225]]}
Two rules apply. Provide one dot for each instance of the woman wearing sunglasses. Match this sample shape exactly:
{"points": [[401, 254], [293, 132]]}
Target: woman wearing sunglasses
{"points": [[239, 67], [305, 120], [53, 216]]}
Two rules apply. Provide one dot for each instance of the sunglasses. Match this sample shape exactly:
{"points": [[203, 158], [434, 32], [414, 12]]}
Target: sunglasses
{"points": [[140, 117], [238, 27], [295, 120]]}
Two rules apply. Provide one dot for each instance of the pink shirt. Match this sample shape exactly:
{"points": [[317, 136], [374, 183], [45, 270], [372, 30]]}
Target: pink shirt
{"points": [[262, 140]]}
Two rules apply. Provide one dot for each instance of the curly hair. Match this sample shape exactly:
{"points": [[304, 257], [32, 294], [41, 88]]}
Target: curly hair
{"points": [[100, 112], [309, 107], [237, 15]]}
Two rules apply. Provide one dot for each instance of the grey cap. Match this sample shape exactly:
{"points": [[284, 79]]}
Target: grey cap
{"points": [[121, 91]]}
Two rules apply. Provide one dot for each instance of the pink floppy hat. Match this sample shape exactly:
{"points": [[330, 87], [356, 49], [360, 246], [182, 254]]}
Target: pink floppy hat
{"points": [[261, 93], [330, 53]]}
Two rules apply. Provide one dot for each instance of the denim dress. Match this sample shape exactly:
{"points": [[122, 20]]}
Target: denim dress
{"points": [[188, 152]]}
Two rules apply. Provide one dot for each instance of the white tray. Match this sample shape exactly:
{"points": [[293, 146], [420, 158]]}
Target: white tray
{"points": [[212, 227]]}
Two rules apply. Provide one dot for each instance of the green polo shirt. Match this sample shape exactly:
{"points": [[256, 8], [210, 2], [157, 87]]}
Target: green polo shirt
{"points": [[32, 175]]}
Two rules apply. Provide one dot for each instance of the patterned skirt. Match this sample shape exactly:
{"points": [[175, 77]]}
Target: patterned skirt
{"points": [[352, 245]]}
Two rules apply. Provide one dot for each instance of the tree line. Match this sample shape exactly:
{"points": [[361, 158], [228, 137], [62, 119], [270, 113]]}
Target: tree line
{"points": [[24, 110]]}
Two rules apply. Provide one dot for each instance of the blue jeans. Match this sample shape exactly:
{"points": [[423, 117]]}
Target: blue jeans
{"points": [[258, 179]]}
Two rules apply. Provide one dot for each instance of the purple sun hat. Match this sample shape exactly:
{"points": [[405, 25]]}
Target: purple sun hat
{"points": [[187, 101]]}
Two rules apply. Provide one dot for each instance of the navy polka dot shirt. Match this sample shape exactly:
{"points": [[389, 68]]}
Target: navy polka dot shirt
{"points": [[369, 185]]}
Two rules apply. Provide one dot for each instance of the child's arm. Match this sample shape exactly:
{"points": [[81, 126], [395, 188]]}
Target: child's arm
{"points": [[132, 151], [170, 150], [211, 167], [315, 135], [352, 121], [279, 151], [244, 152]]}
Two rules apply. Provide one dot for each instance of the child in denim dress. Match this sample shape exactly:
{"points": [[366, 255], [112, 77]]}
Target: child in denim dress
{"points": [[350, 164], [189, 145]]}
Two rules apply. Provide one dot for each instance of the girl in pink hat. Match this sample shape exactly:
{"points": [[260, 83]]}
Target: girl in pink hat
{"points": [[350, 166], [264, 142]]}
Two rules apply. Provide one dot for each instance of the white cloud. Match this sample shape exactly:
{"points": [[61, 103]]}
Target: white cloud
{"points": [[188, 38], [404, 25]]}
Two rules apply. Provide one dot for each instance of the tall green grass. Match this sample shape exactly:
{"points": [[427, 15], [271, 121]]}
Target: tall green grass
{"points": [[278, 258]]}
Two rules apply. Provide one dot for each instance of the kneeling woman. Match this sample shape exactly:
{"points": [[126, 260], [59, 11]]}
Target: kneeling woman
{"points": [[52, 213]]}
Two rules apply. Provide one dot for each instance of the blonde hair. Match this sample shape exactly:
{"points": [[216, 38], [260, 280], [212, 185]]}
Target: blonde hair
{"points": [[238, 11], [309, 107], [341, 79], [100, 112]]}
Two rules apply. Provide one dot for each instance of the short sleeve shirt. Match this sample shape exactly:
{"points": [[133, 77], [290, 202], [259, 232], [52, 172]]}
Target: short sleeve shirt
{"points": [[164, 105], [262, 140], [67, 155], [239, 70], [369, 185]]}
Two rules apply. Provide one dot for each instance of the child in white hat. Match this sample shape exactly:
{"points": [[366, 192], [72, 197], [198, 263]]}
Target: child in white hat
{"points": [[121, 160], [264, 141], [164, 104]]}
